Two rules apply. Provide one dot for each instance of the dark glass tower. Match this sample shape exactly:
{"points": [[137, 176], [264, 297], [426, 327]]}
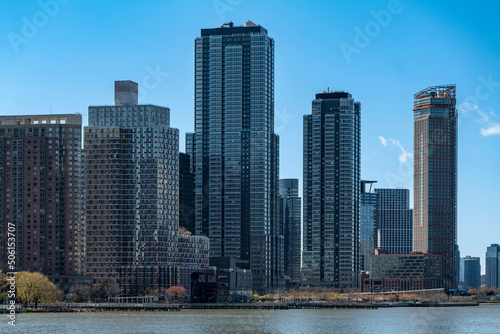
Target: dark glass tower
{"points": [[331, 194], [186, 193], [235, 149], [493, 266], [291, 222], [435, 177]]}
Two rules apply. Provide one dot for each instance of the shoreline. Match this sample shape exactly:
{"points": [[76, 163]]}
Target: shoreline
{"points": [[107, 307]]}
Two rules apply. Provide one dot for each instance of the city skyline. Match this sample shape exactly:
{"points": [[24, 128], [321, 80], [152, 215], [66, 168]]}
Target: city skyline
{"points": [[382, 160]]}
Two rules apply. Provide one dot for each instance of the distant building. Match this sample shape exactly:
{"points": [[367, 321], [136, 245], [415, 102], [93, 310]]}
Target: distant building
{"points": [[186, 193], [435, 177], [395, 221], [291, 223], [331, 156], [132, 192], [234, 279], [203, 287], [470, 272], [368, 223], [403, 272], [493, 266], [41, 195]]}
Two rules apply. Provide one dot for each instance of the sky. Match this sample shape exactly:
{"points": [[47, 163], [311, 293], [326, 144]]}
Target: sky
{"points": [[61, 56]]}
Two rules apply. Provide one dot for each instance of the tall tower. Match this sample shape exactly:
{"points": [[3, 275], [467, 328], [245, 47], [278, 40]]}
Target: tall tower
{"points": [[235, 149], [132, 181], [395, 221], [368, 224], [435, 177], [291, 222], [331, 193], [41, 195], [493, 266]]}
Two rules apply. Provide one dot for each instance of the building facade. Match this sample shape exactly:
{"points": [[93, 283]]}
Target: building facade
{"points": [[403, 272], [395, 221], [435, 177], [186, 193], [41, 195], [291, 224], [234, 148], [493, 266], [331, 162], [132, 194], [368, 225], [470, 272]]}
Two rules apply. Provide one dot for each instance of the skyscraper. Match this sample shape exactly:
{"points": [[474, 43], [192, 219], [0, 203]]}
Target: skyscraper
{"points": [[132, 184], [368, 222], [435, 177], [235, 149], [470, 272], [395, 221], [41, 195], [493, 266], [291, 222], [186, 193], [331, 191]]}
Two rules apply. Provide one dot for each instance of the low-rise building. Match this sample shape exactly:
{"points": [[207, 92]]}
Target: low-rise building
{"points": [[403, 272]]}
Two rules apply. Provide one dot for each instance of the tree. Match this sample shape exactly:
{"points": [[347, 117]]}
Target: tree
{"points": [[4, 286], [80, 292], [35, 288], [110, 289], [176, 292]]}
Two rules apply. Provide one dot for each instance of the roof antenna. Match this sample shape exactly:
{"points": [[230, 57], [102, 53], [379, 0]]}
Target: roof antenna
{"points": [[51, 109]]}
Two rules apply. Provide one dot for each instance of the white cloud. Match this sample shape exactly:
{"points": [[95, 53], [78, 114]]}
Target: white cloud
{"points": [[492, 130], [488, 126], [404, 155], [383, 140]]}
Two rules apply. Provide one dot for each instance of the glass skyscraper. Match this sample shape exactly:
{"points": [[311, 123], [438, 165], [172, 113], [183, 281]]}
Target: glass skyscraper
{"points": [[395, 221], [493, 266], [368, 223], [291, 224], [331, 156], [435, 177], [234, 147]]}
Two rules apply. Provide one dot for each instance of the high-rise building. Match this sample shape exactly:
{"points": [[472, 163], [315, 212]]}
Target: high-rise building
{"points": [[470, 272], [291, 222], [435, 177], [368, 222], [41, 195], [234, 147], [395, 221], [493, 266], [132, 194], [186, 193], [332, 191]]}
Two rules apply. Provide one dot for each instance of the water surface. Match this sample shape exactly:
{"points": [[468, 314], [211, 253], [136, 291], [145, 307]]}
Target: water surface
{"points": [[482, 319]]}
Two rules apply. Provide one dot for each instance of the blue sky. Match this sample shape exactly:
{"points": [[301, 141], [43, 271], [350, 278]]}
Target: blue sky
{"points": [[65, 57]]}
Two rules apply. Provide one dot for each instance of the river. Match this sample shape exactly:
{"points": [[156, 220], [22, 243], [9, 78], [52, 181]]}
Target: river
{"points": [[482, 319]]}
